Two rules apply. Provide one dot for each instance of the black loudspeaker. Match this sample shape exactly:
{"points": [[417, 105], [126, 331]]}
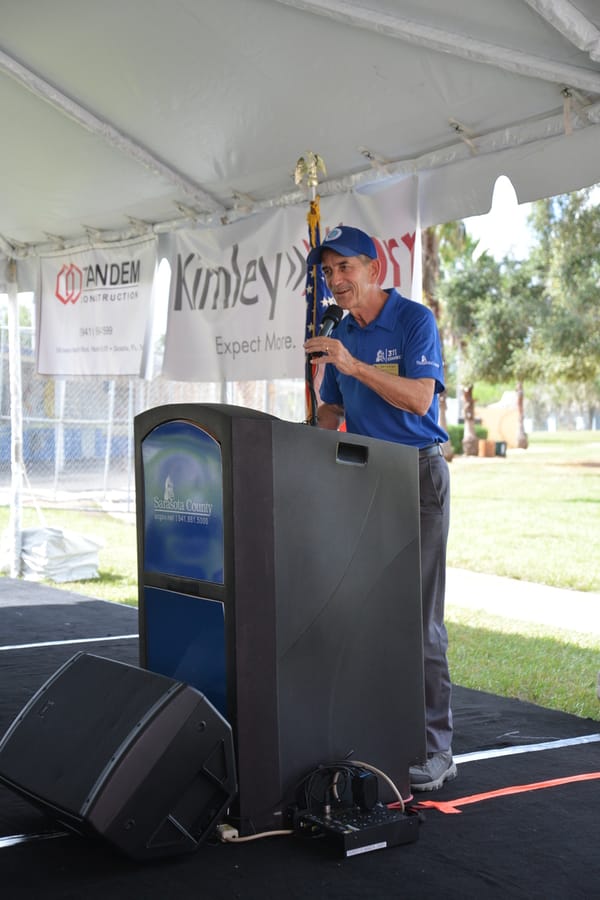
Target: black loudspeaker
{"points": [[114, 751]]}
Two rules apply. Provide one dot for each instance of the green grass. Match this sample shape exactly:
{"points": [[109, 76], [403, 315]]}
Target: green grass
{"points": [[117, 558], [534, 516], [539, 665]]}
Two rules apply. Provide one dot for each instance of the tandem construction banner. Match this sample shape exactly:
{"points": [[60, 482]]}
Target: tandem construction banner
{"points": [[95, 308], [237, 300]]}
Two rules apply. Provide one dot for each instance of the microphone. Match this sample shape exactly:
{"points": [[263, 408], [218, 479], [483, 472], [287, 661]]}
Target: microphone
{"points": [[331, 317]]}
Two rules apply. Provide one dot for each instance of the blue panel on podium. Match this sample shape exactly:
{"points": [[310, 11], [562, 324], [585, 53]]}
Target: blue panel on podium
{"points": [[186, 641], [183, 502]]}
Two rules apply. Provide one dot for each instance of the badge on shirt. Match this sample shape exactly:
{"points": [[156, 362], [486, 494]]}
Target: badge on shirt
{"points": [[392, 368]]}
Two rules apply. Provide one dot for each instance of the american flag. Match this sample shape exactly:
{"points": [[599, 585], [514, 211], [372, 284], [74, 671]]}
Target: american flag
{"points": [[318, 298]]}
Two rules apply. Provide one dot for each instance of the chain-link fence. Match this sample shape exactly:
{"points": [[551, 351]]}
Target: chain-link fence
{"points": [[78, 447]]}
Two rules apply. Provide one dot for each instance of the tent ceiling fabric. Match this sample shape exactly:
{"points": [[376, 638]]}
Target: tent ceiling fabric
{"points": [[119, 116]]}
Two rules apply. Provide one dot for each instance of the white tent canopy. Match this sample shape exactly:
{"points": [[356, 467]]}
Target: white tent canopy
{"points": [[121, 117]]}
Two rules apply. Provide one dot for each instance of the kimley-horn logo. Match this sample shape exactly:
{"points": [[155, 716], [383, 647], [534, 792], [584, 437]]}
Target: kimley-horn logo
{"points": [[69, 283]]}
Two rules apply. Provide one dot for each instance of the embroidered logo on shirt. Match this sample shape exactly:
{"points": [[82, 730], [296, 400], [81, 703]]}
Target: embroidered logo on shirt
{"points": [[387, 356], [427, 362]]}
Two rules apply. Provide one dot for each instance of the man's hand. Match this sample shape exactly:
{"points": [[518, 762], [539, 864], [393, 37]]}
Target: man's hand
{"points": [[332, 351]]}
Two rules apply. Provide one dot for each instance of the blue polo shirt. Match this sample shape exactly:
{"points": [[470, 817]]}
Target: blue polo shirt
{"points": [[402, 340]]}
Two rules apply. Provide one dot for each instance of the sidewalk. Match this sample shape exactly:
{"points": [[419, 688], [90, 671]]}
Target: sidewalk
{"points": [[525, 601], [494, 594]]}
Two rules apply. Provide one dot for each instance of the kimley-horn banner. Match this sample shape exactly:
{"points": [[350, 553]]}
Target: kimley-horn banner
{"points": [[237, 297], [95, 308]]}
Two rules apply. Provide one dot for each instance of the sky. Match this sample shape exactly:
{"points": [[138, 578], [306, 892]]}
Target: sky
{"points": [[503, 230]]}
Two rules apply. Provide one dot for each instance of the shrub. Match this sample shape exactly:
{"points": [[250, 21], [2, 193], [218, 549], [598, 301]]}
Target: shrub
{"points": [[457, 432]]}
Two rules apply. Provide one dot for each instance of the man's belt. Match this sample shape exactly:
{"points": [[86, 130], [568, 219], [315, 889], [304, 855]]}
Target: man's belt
{"points": [[431, 450]]}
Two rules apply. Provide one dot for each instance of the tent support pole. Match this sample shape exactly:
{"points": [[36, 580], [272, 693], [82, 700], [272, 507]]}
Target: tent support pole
{"points": [[16, 421], [109, 434]]}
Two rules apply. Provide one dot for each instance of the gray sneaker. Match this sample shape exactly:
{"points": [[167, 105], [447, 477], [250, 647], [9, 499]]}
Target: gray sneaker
{"points": [[431, 776]]}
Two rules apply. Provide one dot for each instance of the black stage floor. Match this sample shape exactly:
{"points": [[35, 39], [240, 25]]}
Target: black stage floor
{"points": [[521, 820]]}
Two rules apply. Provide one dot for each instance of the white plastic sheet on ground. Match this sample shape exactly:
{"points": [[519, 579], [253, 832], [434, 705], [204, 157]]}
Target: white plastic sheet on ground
{"points": [[58, 555]]}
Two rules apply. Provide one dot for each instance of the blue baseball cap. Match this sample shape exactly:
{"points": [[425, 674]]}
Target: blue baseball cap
{"points": [[346, 241]]}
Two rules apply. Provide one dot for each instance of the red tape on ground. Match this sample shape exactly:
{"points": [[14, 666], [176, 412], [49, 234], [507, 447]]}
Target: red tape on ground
{"points": [[451, 806]]}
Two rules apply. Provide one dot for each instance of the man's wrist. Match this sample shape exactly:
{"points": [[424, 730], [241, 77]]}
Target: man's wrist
{"points": [[361, 369]]}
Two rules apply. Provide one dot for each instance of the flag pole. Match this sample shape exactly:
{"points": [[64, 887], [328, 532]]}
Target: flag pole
{"points": [[318, 296]]}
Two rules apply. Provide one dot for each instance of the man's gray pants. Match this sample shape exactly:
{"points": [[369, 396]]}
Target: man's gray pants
{"points": [[434, 482]]}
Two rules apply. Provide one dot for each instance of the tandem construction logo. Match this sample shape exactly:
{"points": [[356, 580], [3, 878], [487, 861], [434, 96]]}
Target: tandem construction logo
{"points": [[69, 283], [97, 282]]}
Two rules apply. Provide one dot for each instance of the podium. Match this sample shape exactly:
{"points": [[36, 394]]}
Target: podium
{"points": [[279, 574]]}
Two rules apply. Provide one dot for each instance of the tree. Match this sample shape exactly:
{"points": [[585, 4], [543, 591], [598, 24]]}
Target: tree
{"points": [[531, 320], [568, 262], [503, 340], [440, 242], [470, 286]]}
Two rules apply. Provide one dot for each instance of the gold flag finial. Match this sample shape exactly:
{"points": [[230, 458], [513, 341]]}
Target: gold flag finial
{"points": [[308, 167]]}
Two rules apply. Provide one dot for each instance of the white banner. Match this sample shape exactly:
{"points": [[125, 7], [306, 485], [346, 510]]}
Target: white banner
{"points": [[95, 306], [237, 305]]}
